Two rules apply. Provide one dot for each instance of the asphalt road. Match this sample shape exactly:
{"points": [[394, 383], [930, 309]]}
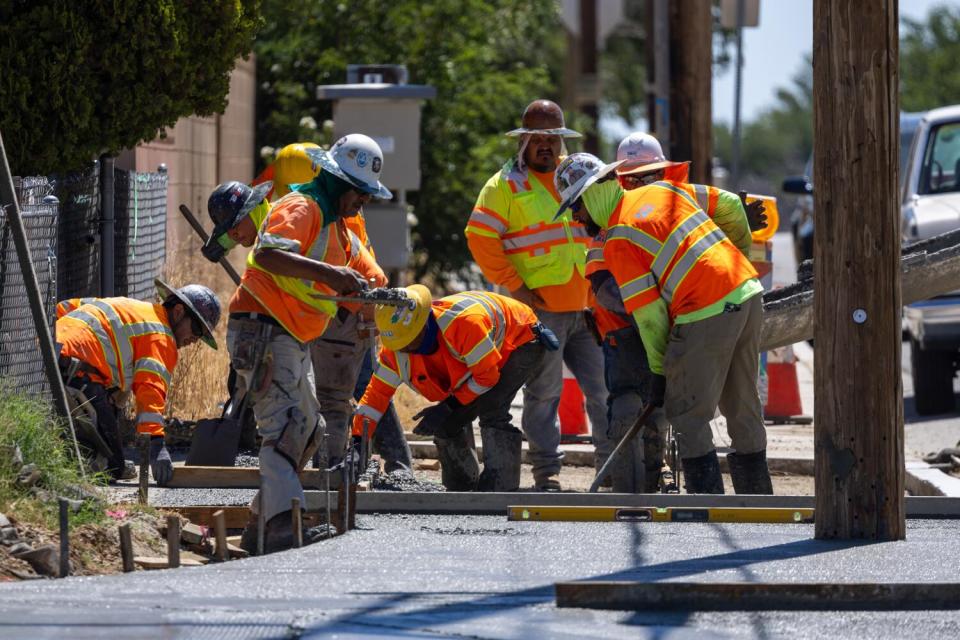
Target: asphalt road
{"points": [[484, 577]]}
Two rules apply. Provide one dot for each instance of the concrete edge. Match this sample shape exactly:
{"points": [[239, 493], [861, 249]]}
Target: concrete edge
{"points": [[923, 480]]}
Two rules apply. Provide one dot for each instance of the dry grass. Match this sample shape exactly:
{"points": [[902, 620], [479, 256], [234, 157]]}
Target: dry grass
{"points": [[408, 402], [199, 382]]}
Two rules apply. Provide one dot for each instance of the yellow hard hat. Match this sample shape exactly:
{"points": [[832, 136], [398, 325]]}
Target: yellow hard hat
{"points": [[399, 326], [293, 166]]}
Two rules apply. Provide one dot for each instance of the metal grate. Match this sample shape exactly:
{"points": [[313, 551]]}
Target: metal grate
{"points": [[20, 361], [79, 247], [140, 211]]}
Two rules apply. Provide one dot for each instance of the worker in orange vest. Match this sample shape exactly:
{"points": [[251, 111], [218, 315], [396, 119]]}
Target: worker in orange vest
{"points": [[469, 353], [697, 304], [518, 245], [349, 341], [110, 345], [303, 252]]}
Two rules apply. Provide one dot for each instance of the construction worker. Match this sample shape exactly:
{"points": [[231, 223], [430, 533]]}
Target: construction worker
{"points": [[517, 244], [111, 345], [697, 303], [303, 251], [348, 341], [470, 353]]}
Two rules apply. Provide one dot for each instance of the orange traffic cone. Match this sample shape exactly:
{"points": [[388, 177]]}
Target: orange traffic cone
{"points": [[783, 389], [572, 411]]}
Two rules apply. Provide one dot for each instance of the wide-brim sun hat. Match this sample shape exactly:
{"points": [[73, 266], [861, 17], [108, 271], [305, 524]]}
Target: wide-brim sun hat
{"points": [[627, 168], [360, 159], [399, 326], [164, 290], [561, 131], [577, 173]]}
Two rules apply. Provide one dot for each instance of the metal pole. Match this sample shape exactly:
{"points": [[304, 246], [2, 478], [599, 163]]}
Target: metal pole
{"points": [[64, 537], [107, 227], [738, 89], [8, 195]]}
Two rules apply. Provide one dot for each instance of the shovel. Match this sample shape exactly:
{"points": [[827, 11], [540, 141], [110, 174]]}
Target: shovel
{"points": [[622, 445]]}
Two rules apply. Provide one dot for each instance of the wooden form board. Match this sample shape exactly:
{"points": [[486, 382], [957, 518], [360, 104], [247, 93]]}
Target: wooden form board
{"points": [[238, 478], [747, 596], [236, 516]]}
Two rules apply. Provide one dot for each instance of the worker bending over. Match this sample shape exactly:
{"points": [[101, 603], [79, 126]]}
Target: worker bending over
{"points": [[109, 346], [470, 353], [518, 245], [696, 301], [303, 250]]}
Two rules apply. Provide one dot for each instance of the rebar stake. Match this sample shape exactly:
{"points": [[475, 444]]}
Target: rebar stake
{"points": [[220, 531], [173, 541], [64, 537], [297, 523], [144, 468], [126, 547]]}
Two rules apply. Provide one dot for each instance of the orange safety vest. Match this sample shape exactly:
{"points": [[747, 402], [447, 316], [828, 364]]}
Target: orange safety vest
{"points": [[478, 333], [130, 344], [661, 243], [290, 300], [606, 320]]}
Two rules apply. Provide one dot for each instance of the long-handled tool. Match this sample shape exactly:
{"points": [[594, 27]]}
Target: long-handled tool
{"points": [[624, 441], [382, 295], [204, 236]]}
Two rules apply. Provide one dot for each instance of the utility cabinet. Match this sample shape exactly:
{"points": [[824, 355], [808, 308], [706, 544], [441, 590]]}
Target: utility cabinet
{"points": [[378, 102]]}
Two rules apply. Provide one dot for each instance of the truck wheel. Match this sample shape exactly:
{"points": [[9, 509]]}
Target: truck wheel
{"points": [[932, 373]]}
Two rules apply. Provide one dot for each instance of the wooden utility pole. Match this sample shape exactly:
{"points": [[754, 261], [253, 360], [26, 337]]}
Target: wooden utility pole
{"points": [[691, 74], [657, 49], [858, 428], [589, 76]]}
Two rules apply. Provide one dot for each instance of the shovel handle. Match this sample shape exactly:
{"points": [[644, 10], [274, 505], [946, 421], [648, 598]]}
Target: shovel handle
{"points": [[204, 236]]}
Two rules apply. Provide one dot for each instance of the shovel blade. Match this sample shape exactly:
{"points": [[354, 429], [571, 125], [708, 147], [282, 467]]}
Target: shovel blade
{"points": [[215, 443]]}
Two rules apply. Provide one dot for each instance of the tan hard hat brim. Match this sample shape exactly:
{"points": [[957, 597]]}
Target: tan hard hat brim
{"points": [[560, 131], [627, 169]]}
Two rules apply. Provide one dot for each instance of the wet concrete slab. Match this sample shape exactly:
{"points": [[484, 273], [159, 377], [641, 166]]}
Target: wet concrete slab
{"points": [[484, 577]]}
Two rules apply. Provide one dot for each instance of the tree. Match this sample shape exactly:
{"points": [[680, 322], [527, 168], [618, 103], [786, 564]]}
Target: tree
{"points": [[83, 78], [487, 59], [929, 50]]}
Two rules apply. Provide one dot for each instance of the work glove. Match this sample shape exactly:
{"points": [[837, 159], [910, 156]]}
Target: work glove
{"points": [[658, 386], [161, 466], [432, 418]]}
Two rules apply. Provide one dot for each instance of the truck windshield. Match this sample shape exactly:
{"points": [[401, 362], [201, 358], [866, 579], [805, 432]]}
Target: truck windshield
{"points": [[940, 172]]}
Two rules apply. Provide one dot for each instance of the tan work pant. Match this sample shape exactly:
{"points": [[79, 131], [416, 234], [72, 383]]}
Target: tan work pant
{"points": [[337, 357], [715, 362]]}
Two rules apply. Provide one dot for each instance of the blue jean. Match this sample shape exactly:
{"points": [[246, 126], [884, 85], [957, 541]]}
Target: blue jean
{"points": [[541, 396]]}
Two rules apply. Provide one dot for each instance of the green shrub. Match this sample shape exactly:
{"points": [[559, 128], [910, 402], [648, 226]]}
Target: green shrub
{"points": [[83, 78]]}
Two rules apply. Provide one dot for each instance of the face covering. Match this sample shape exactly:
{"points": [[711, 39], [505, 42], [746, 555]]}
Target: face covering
{"points": [[601, 199], [326, 189], [429, 343]]}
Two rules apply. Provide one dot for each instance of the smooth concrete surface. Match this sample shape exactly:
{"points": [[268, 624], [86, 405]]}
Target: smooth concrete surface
{"points": [[484, 577]]}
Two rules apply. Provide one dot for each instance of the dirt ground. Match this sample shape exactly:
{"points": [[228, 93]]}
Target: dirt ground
{"points": [[579, 479]]}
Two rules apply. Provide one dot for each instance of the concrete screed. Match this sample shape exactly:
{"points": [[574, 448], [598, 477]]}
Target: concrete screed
{"points": [[483, 577]]}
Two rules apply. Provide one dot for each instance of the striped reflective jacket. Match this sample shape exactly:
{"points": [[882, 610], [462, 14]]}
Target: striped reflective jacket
{"points": [[130, 343], [478, 333], [661, 243]]}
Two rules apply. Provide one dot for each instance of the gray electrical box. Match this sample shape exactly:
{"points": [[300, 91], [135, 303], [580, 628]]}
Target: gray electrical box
{"points": [[380, 104]]}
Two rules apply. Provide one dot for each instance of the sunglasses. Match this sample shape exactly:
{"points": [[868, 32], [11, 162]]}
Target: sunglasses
{"points": [[641, 180]]}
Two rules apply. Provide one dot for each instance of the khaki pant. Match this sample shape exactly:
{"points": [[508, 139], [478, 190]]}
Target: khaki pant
{"points": [[715, 362], [337, 357], [286, 411]]}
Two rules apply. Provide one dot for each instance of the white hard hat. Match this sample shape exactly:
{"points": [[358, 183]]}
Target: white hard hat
{"points": [[576, 174], [641, 153], [357, 159]]}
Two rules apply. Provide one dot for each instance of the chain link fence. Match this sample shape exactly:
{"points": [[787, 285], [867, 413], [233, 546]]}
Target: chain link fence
{"points": [[140, 210], [79, 247], [20, 362]]}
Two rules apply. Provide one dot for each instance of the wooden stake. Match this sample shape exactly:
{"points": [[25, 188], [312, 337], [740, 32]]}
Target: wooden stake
{"points": [[261, 521], [144, 441], [126, 548], [173, 541], [297, 523], [858, 422], [64, 537], [220, 531]]}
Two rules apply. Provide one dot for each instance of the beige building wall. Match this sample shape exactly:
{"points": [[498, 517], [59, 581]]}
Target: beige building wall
{"points": [[199, 154]]}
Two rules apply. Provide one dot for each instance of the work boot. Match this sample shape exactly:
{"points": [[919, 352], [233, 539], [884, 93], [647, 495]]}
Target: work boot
{"points": [[279, 533], [702, 474], [129, 471], [501, 459], [749, 473], [459, 467], [549, 483]]}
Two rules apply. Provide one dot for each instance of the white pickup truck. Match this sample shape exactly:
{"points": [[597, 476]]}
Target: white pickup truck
{"points": [[930, 205]]}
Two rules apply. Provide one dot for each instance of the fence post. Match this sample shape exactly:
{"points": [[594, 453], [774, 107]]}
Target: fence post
{"points": [[107, 227]]}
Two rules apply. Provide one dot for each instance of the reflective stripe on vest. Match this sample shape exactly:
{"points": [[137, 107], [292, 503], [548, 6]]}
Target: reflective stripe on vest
{"points": [[120, 359], [403, 364], [369, 412], [637, 286], [479, 216], [467, 300], [388, 375], [149, 417], [675, 239], [595, 254], [702, 193], [683, 266], [646, 242], [517, 179]]}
